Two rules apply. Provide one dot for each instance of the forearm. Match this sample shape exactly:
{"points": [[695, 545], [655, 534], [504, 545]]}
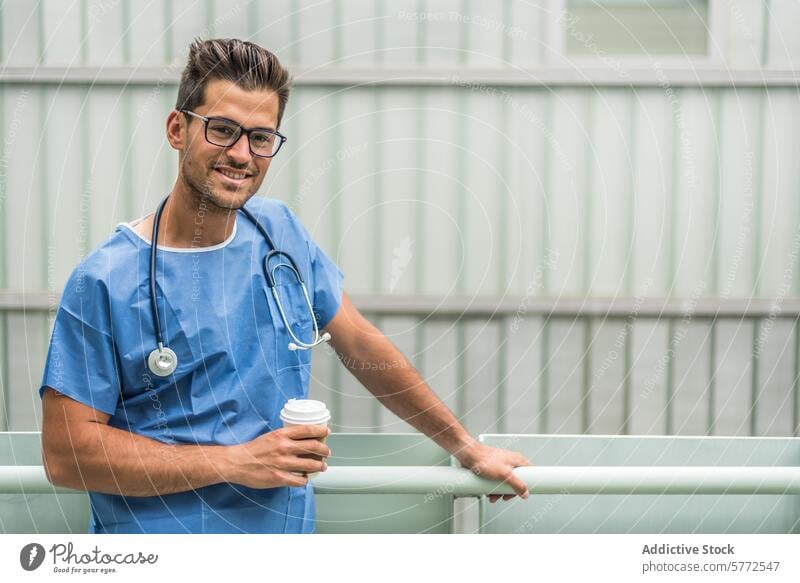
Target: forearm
{"points": [[394, 381], [101, 458]]}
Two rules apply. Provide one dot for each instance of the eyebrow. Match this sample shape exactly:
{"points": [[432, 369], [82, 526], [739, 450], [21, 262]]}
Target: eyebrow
{"points": [[268, 128]]}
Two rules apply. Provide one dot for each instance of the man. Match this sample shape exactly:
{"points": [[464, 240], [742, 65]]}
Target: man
{"points": [[201, 449]]}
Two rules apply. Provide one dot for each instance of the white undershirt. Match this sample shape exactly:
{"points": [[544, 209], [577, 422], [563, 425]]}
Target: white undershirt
{"points": [[132, 226]]}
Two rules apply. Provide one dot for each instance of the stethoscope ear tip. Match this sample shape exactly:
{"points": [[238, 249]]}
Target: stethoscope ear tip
{"points": [[324, 338]]}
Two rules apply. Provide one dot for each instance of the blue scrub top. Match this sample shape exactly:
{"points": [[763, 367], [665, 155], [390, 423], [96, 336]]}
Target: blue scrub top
{"points": [[234, 372]]}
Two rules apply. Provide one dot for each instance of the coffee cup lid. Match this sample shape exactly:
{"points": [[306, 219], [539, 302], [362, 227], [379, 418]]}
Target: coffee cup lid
{"points": [[305, 411]]}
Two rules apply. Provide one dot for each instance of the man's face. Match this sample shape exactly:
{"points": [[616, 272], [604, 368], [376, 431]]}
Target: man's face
{"points": [[204, 166]]}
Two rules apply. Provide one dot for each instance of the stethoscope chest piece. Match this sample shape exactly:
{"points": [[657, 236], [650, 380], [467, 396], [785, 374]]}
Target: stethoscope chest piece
{"points": [[162, 361]]}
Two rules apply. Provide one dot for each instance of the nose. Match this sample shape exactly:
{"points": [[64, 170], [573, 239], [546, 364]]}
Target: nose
{"points": [[240, 151]]}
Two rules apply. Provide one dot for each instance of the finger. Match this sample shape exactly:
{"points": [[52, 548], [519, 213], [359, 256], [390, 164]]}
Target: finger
{"points": [[518, 485], [291, 479], [493, 498], [306, 431], [303, 464], [310, 446], [311, 456], [523, 461], [508, 497]]}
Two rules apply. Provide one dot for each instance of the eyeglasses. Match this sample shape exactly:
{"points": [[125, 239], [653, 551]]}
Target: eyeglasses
{"points": [[225, 133]]}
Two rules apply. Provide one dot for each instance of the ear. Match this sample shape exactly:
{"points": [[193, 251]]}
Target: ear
{"points": [[176, 130]]}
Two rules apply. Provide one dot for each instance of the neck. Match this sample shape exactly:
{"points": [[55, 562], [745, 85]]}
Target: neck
{"points": [[189, 222]]}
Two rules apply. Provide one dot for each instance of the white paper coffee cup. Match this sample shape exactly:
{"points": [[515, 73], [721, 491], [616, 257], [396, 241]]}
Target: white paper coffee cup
{"points": [[305, 412]]}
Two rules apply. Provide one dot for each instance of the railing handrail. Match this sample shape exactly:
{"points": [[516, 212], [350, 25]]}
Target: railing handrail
{"points": [[567, 480]]}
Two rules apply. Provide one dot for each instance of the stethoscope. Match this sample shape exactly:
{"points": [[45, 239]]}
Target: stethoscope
{"points": [[163, 361]]}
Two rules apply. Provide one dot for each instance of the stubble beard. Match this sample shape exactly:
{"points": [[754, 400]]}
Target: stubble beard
{"points": [[202, 196]]}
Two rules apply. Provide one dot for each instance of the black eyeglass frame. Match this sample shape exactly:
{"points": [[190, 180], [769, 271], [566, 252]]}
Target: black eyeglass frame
{"points": [[242, 130]]}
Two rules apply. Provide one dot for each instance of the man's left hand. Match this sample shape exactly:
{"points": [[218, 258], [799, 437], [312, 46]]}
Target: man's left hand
{"points": [[495, 464]]}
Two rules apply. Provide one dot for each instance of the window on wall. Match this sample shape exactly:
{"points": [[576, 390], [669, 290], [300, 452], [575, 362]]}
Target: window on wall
{"points": [[636, 27]]}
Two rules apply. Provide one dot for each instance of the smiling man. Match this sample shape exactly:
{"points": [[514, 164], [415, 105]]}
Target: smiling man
{"points": [[198, 445]]}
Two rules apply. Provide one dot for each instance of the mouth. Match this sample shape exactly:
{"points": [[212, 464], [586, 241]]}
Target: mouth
{"points": [[232, 176]]}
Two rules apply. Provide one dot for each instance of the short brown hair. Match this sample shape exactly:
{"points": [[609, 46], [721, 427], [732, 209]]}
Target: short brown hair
{"points": [[246, 64]]}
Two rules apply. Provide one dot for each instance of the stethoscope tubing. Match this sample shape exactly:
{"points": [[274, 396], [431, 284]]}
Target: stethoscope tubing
{"points": [[162, 361]]}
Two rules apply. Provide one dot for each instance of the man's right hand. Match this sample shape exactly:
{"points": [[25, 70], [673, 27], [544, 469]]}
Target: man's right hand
{"points": [[278, 458]]}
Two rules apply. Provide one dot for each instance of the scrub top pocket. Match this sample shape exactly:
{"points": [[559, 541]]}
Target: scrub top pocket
{"points": [[299, 318]]}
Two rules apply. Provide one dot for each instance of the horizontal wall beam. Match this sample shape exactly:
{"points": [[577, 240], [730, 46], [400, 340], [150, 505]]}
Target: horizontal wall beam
{"points": [[422, 76], [445, 481], [569, 307], [510, 306]]}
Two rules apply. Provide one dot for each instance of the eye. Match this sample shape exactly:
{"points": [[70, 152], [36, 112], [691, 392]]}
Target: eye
{"points": [[223, 130], [262, 138]]}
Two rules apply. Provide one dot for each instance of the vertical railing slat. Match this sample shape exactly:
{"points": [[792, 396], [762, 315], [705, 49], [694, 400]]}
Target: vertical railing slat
{"points": [[544, 394], [461, 384], [4, 374], [758, 192], [589, 161], [716, 191], [169, 29], [627, 397], [546, 174], [375, 407], [380, 179], [586, 370], [765, 26], [796, 381], [669, 426], [712, 377], [754, 388], [419, 244], [502, 375], [630, 208], [4, 229]]}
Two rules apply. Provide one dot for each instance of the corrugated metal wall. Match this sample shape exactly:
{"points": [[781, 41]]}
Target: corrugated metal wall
{"points": [[423, 175]]}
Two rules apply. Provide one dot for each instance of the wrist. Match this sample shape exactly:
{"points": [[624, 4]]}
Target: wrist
{"points": [[224, 462], [466, 451]]}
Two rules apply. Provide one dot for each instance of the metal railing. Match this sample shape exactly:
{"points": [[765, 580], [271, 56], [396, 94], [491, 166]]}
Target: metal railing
{"points": [[540, 480]]}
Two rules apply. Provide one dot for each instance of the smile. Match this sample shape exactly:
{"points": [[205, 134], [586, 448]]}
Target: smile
{"points": [[233, 175]]}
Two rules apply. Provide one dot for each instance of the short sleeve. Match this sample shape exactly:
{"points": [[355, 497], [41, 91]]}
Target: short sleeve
{"points": [[328, 288], [81, 360], [326, 277]]}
